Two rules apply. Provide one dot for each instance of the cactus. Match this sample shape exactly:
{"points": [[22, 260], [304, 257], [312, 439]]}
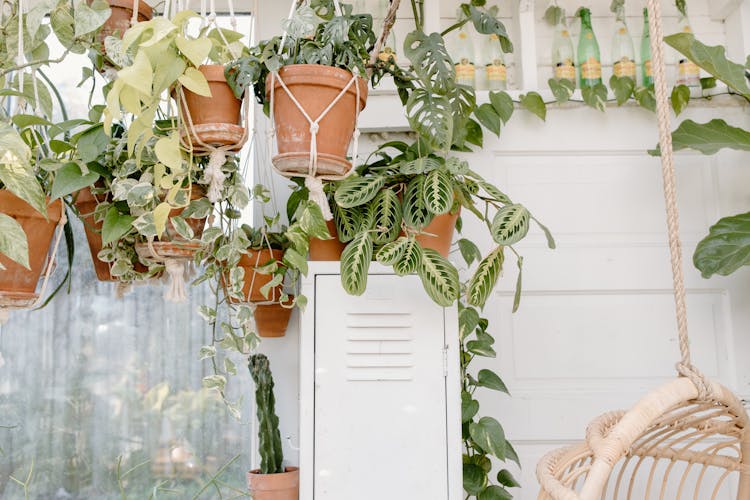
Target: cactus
{"points": [[269, 436]]}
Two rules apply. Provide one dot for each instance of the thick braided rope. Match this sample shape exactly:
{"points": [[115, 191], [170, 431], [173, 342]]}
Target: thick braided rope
{"points": [[388, 22], [684, 367]]}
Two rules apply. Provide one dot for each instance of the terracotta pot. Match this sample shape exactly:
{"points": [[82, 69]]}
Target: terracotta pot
{"points": [[119, 19], [327, 249], [253, 259], [17, 282], [271, 320], [438, 234], [215, 119], [315, 87], [86, 203], [283, 486]]}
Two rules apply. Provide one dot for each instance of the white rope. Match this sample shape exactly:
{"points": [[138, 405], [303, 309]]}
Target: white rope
{"points": [[21, 56], [176, 291], [134, 17], [214, 175]]}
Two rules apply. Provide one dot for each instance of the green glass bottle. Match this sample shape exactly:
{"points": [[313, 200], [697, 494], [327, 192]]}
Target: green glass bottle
{"points": [[623, 54], [589, 60], [647, 77]]}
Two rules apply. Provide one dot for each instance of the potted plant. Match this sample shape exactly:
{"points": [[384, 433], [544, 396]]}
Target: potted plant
{"points": [[314, 64], [272, 481]]}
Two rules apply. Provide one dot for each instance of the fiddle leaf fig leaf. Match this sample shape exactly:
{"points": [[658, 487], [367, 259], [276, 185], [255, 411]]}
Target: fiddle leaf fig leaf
{"points": [[726, 248], [410, 260], [439, 277], [709, 138], [484, 279], [431, 115], [355, 191], [13, 241], [488, 434], [387, 216], [431, 61], [438, 192], [534, 103], [562, 89], [392, 252], [712, 59], [510, 224], [416, 214], [355, 262]]}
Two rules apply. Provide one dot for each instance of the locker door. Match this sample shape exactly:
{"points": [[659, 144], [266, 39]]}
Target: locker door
{"points": [[380, 392]]}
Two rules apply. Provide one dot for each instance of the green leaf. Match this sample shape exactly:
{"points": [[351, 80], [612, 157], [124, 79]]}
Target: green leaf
{"points": [[91, 143], [15, 169], [595, 97], [416, 214], [420, 165], [474, 478], [488, 434], [494, 492], [431, 115], [439, 278], [469, 251], [712, 59], [88, 19], [469, 407], [139, 75], [503, 105], [348, 221], [709, 138], [295, 260], [311, 220], [392, 252], [468, 320], [13, 241], [534, 103], [646, 98], [70, 179], [680, 98], [410, 260], [481, 348], [487, 24], [623, 87], [488, 117], [489, 379], [182, 227], [438, 192], [217, 382], [431, 61], [484, 279], [167, 150], [115, 225], [561, 89], [387, 215], [554, 15], [196, 50], [494, 192], [708, 82], [726, 248], [505, 478], [355, 191], [510, 224], [355, 262]]}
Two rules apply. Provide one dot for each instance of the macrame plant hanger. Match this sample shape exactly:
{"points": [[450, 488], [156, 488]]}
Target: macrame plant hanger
{"points": [[10, 301], [177, 256], [685, 439], [313, 178]]}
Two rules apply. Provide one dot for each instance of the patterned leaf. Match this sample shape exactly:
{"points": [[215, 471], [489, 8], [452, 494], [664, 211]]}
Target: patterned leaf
{"points": [[410, 260], [439, 278], [510, 225], [431, 115], [387, 215], [356, 191], [355, 261], [430, 60], [416, 214], [348, 221], [390, 253], [485, 277], [419, 166], [495, 193], [438, 192]]}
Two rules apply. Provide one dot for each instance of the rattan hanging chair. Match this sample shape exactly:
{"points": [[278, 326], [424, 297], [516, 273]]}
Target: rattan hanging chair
{"points": [[688, 439]]}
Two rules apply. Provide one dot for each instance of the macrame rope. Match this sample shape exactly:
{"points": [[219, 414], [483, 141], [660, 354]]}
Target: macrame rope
{"points": [[134, 18], [685, 367], [388, 21]]}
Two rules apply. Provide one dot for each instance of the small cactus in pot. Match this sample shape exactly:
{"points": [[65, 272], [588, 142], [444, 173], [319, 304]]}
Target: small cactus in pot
{"points": [[271, 481]]}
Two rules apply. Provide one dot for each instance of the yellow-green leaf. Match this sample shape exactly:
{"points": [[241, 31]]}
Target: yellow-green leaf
{"points": [[161, 213], [194, 81], [195, 50], [168, 152], [138, 76]]}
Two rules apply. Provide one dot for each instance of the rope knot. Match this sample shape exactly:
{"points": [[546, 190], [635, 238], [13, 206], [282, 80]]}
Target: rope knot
{"points": [[314, 128], [698, 379], [214, 175], [176, 270], [317, 195]]}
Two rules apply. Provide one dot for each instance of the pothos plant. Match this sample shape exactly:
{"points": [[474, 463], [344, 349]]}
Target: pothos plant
{"points": [[727, 246]]}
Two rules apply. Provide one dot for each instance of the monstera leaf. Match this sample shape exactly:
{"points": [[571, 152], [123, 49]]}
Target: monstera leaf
{"points": [[431, 61], [431, 115], [487, 24], [726, 248]]}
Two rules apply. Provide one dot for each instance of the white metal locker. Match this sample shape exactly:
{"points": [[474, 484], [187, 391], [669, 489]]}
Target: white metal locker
{"points": [[380, 391]]}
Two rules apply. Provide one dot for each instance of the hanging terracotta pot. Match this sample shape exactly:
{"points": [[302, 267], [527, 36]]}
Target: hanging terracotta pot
{"points": [[122, 14], [254, 281], [438, 234], [215, 119], [86, 204], [326, 250], [271, 320], [282, 486], [18, 284], [315, 87]]}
